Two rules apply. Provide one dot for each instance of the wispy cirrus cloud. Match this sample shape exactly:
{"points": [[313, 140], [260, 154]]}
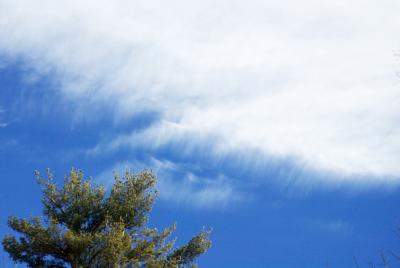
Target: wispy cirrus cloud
{"points": [[180, 185], [335, 227], [3, 123], [310, 80]]}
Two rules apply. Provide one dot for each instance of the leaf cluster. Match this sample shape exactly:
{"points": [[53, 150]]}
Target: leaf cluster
{"points": [[86, 226]]}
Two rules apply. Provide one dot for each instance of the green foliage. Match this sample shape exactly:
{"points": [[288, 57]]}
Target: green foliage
{"points": [[84, 226]]}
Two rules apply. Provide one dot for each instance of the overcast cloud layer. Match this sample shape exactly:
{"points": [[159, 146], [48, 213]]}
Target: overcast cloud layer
{"points": [[314, 80]]}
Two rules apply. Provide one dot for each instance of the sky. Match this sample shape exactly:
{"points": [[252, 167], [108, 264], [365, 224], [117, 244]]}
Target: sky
{"points": [[275, 123]]}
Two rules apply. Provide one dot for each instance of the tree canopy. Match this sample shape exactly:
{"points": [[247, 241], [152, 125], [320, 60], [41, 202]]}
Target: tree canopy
{"points": [[83, 225]]}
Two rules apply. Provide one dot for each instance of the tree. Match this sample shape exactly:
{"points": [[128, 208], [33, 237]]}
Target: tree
{"points": [[86, 226]]}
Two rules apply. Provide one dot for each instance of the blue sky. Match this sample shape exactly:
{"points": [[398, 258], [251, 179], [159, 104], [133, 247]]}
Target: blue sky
{"points": [[274, 123]]}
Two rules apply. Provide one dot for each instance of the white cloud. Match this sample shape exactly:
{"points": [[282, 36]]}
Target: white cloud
{"points": [[3, 124], [181, 186], [310, 79], [337, 227]]}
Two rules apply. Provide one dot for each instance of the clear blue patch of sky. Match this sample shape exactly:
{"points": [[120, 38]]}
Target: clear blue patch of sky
{"points": [[276, 228]]}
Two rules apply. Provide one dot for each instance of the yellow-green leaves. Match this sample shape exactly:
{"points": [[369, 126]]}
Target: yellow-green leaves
{"points": [[86, 227]]}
